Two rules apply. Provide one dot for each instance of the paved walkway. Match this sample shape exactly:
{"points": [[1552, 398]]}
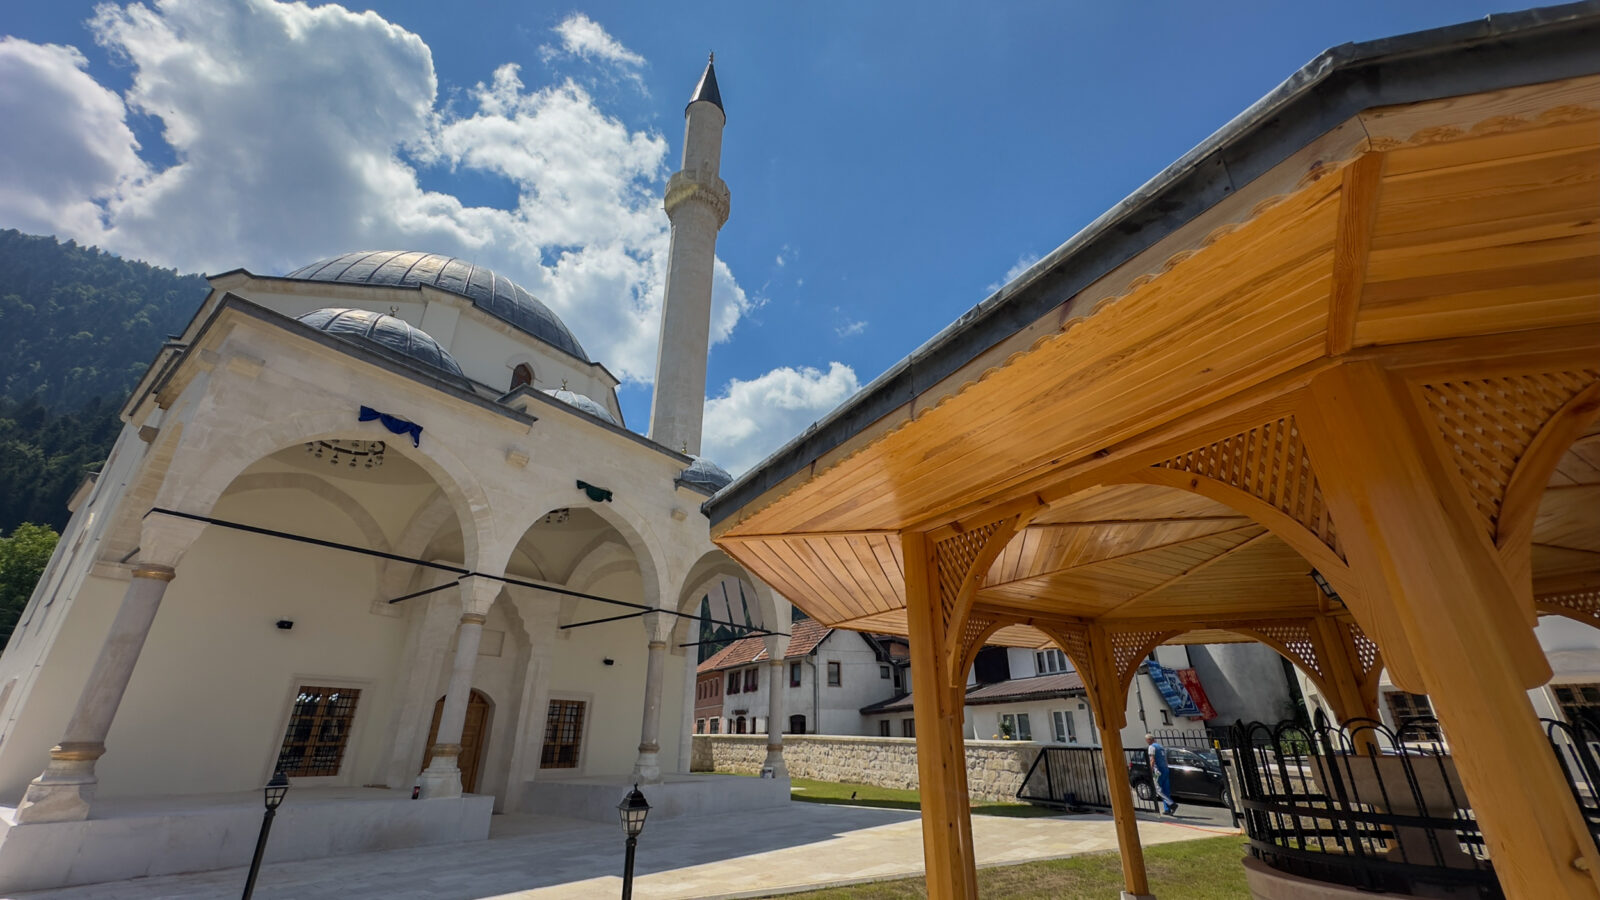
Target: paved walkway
{"points": [[807, 845]]}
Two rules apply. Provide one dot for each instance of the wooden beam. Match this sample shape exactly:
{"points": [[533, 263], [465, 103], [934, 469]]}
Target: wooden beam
{"points": [[941, 750], [1358, 210], [1421, 555]]}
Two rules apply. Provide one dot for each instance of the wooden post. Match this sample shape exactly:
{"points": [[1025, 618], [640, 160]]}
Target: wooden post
{"points": [[1414, 544], [941, 751], [1110, 699]]}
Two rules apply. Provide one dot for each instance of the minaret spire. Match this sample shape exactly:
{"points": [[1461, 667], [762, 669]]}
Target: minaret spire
{"points": [[697, 204]]}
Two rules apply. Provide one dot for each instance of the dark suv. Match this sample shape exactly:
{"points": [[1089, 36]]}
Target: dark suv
{"points": [[1196, 775]]}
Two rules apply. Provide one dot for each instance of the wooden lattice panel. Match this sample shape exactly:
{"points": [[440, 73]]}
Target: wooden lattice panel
{"points": [[1294, 637], [1584, 603], [1268, 462], [1488, 424], [955, 557], [1129, 647], [1366, 650]]}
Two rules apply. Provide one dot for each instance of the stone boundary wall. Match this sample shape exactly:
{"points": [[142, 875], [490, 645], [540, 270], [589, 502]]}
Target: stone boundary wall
{"points": [[995, 769]]}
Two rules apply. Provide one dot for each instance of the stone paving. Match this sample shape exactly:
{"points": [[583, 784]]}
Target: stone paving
{"points": [[806, 845]]}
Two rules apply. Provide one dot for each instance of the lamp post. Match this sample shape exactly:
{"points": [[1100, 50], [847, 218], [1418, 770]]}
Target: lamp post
{"points": [[276, 789], [633, 809]]}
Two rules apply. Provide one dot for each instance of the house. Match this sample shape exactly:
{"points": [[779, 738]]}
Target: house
{"points": [[828, 675]]}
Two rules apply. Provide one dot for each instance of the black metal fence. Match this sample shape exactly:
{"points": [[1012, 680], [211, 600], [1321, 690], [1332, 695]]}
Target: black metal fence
{"points": [[1360, 805], [1577, 748], [1075, 778]]}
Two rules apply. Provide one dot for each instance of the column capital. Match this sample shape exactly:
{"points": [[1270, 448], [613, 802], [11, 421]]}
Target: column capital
{"points": [[478, 593], [777, 644], [658, 626], [163, 540]]}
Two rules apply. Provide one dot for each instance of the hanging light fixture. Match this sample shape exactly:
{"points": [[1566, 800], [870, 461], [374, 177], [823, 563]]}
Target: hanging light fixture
{"points": [[350, 453], [556, 517]]}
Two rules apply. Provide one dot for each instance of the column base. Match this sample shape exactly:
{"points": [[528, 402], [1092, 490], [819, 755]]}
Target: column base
{"points": [[647, 769], [774, 762], [63, 792], [442, 778]]}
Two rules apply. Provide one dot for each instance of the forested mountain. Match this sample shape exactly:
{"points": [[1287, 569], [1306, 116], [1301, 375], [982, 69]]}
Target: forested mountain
{"points": [[77, 328]]}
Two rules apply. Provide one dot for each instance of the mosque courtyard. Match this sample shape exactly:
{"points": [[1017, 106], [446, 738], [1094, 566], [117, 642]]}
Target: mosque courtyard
{"points": [[753, 854]]}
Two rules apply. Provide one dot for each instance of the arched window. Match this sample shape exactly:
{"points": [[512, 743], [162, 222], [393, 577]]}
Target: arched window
{"points": [[739, 725], [797, 724], [521, 375]]}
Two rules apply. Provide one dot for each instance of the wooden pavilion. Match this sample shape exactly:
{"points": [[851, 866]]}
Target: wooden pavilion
{"points": [[1357, 331]]}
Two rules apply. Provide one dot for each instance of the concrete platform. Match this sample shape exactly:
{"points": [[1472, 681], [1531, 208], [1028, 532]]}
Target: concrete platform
{"points": [[133, 838], [596, 798]]}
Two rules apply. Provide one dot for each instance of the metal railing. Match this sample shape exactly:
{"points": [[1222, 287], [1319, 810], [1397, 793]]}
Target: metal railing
{"points": [[1075, 778], [1361, 805], [1577, 748]]}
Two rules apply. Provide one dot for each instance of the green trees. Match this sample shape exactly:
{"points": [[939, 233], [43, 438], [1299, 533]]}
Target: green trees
{"points": [[23, 556]]}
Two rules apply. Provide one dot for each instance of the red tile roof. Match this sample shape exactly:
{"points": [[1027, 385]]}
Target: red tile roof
{"points": [[804, 636], [1043, 687]]}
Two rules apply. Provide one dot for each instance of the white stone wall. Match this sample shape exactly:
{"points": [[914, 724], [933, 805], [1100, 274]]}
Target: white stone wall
{"points": [[995, 769], [861, 684]]}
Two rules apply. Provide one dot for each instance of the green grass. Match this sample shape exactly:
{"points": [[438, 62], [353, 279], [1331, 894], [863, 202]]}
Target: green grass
{"points": [[1206, 869], [808, 791]]}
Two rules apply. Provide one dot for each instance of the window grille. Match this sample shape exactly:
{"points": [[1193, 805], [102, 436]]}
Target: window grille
{"points": [[1413, 717], [563, 734], [1578, 702], [318, 729]]}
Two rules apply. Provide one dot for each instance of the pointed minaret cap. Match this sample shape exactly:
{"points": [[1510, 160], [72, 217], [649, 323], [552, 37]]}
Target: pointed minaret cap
{"points": [[707, 88]]}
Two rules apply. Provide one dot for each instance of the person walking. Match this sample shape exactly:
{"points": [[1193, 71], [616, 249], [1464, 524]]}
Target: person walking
{"points": [[1161, 774]]}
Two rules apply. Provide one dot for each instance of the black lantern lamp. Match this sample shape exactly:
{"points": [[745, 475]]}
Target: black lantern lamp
{"points": [[275, 791], [633, 810], [1327, 589]]}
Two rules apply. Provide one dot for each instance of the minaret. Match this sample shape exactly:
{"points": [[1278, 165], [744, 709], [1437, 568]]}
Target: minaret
{"points": [[697, 205]]}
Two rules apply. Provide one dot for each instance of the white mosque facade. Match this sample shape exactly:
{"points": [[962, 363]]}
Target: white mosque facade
{"points": [[375, 524]]}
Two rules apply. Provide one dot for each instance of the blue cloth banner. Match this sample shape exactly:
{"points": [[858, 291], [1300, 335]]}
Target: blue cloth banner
{"points": [[1172, 689], [395, 424]]}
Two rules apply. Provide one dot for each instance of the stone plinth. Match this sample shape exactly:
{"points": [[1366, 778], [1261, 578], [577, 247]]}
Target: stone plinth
{"points": [[596, 798], [133, 838]]}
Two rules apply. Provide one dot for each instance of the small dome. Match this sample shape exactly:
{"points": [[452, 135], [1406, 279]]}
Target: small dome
{"points": [[495, 294], [583, 404], [704, 473], [391, 334]]}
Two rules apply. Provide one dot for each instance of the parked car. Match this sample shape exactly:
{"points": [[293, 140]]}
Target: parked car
{"points": [[1196, 775]]}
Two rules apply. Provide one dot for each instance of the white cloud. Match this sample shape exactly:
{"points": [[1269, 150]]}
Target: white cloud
{"points": [[582, 36], [301, 132], [850, 329], [752, 418], [70, 148], [1023, 264]]}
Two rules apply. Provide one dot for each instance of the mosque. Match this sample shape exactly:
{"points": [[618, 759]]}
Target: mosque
{"points": [[377, 524]]}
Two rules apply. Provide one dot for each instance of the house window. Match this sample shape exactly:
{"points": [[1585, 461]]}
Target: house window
{"points": [[797, 724], [1066, 729], [899, 679], [716, 725], [752, 679], [521, 375], [1051, 661], [699, 726], [319, 726], [563, 734], [883, 728], [908, 728], [794, 674], [1015, 727], [833, 675], [883, 671], [1166, 717], [1578, 702], [1406, 709], [733, 682], [738, 725]]}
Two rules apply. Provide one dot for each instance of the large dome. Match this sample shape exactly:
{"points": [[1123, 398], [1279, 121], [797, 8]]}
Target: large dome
{"points": [[496, 295], [392, 334]]}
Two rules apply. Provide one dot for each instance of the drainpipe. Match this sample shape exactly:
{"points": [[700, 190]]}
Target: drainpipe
{"points": [[816, 693]]}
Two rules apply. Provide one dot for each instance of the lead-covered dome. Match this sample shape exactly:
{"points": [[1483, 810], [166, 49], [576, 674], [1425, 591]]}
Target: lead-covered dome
{"points": [[390, 333], [496, 295], [704, 473], [582, 402]]}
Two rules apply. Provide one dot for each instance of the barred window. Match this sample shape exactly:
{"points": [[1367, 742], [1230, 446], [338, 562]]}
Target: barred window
{"points": [[1413, 717], [318, 730], [1578, 702], [563, 734]]}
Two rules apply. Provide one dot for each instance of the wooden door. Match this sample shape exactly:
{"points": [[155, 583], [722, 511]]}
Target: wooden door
{"points": [[474, 736]]}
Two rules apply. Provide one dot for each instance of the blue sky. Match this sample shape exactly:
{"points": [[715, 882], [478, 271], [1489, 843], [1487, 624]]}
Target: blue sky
{"points": [[890, 164]]}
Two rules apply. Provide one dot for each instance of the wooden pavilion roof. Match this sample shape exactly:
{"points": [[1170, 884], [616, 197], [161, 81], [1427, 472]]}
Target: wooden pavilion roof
{"points": [[1413, 202]]}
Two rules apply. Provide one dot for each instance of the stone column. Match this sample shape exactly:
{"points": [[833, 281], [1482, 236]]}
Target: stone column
{"points": [[63, 792], [691, 687], [442, 777], [539, 618], [777, 646], [648, 767]]}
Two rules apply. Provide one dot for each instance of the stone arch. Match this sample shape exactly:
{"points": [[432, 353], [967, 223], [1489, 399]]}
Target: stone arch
{"points": [[219, 459], [321, 488], [713, 567], [622, 519]]}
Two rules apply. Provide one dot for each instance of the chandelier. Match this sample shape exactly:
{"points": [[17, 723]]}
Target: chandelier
{"points": [[355, 454], [556, 517]]}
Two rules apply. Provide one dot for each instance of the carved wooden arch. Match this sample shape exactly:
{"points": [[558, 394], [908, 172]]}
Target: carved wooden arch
{"points": [[962, 555], [979, 627], [1544, 453], [1299, 649], [1130, 648], [1579, 606]]}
